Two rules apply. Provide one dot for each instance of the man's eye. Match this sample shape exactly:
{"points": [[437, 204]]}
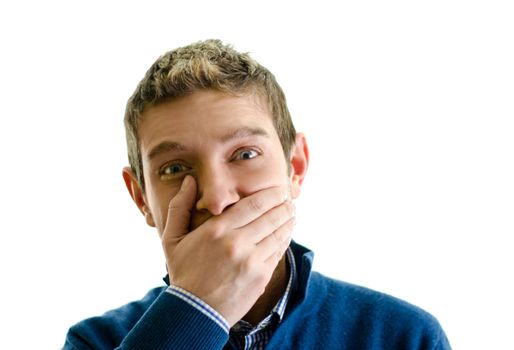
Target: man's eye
{"points": [[173, 169], [246, 154]]}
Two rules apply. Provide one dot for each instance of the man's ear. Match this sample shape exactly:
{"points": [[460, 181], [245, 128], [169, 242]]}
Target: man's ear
{"points": [[137, 195], [299, 164]]}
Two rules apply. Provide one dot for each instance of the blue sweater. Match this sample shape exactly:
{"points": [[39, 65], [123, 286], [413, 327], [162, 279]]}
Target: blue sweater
{"points": [[322, 314]]}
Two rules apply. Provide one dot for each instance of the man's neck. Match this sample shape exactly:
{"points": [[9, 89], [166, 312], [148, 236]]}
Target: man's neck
{"points": [[272, 294]]}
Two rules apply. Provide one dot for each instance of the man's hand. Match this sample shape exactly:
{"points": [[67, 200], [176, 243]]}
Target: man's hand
{"points": [[229, 259]]}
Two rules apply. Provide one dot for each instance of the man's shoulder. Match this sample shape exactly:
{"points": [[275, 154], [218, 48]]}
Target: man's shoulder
{"points": [[115, 323], [366, 301], [373, 312]]}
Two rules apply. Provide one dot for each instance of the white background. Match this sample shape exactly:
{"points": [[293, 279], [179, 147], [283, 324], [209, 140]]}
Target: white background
{"points": [[407, 106]]}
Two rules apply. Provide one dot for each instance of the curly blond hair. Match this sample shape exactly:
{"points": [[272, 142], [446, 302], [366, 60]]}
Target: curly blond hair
{"points": [[208, 64]]}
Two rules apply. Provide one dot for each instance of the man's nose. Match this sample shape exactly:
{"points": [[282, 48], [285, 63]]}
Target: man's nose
{"points": [[217, 190]]}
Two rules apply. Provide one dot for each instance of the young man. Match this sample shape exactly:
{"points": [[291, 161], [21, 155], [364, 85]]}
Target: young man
{"points": [[215, 163]]}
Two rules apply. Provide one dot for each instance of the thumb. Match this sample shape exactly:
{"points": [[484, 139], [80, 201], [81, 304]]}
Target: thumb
{"points": [[179, 209]]}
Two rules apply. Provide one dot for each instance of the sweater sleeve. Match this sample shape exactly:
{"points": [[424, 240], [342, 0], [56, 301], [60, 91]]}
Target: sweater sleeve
{"points": [[171, 322]]}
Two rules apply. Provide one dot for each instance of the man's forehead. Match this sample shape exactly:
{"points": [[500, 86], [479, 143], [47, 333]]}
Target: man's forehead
{"points": [[209, 114]]}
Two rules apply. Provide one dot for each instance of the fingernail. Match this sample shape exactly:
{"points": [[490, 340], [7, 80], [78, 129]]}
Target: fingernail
{"points": [[186, 182]]}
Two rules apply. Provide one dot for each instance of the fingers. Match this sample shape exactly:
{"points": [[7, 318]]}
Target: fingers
{"points": [[272, 261], [250, 208], [179, 209], [274, 245], [269, 222]]}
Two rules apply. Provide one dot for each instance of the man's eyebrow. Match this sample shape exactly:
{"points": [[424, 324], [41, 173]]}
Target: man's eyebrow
{"points": [[167, 146], [164, 147], [244, 132]]}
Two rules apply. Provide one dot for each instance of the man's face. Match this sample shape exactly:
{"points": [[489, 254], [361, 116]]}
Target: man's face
{"points": [[227, 143]]}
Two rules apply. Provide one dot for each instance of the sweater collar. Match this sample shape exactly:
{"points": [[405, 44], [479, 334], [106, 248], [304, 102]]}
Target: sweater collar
{"points": [[303, 258]]}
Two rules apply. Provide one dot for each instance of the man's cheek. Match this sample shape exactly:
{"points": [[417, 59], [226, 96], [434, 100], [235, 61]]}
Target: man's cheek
{"points": [[260, 180]]}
